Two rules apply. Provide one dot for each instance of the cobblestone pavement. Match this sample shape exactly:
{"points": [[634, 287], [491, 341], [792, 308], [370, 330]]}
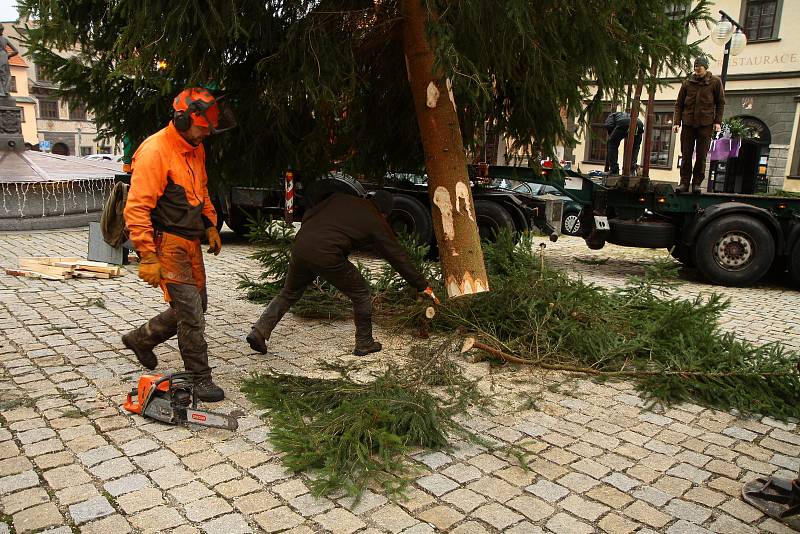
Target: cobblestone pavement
{"points": [[71, 460]]}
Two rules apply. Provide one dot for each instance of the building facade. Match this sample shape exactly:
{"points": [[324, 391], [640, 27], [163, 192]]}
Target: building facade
{"points": [[26, 104], [763, 90], [68, 129]]}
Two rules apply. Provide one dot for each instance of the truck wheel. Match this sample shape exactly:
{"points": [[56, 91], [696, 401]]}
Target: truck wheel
{"points": [[218, 208], [572, 223], [794, 263], [492, 218], [683, 254], [734, 250], [410, 216], [645, 234]]}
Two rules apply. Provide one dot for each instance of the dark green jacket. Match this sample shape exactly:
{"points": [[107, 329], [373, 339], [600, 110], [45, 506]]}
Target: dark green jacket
{"points": [[701, 101], [342, 223]]}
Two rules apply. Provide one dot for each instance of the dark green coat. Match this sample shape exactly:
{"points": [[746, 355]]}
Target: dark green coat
{"points": [[700, 102]]}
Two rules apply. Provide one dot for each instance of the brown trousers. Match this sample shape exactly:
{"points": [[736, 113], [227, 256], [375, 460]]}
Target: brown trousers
{"points": [[697, 140], [183, 280]]}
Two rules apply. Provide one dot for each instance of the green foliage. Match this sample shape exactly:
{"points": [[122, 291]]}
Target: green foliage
{"points": [[352, 433], [736, 127], [307, 78], [673, 348]]}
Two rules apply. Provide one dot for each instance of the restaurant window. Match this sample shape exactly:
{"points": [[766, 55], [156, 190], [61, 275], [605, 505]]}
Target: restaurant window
{"points": [[761, 19]]}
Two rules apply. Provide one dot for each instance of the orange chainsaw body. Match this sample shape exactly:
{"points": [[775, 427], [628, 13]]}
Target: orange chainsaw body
{"points": [[143, 390]]}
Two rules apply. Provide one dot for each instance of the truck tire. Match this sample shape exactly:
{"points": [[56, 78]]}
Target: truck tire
{"points": [[734, 250], [492, 218], [794, 263], [217, 203], [645, 234], [410, 216], [683, 254], [571, 222]]}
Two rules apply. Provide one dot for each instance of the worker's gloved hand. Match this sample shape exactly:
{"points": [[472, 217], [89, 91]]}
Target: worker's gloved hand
{"points": [[150, 269], [214, 241], [428, 293]]}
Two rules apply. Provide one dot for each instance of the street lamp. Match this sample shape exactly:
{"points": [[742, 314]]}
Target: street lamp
{"points": [[734, 41]]}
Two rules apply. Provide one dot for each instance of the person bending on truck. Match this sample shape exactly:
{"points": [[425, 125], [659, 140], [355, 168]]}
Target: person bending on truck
{"points": [[698, 110], [167, 212], [617, 125], [329, 232]]}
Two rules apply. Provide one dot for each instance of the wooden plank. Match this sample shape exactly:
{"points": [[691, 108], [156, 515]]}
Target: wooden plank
{"points": [[88, 274], [98, 267], [44, 269], [32, 274], [50, 260]]}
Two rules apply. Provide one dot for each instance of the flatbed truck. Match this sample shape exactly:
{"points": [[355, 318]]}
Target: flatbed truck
{"points": [[732, 239]]}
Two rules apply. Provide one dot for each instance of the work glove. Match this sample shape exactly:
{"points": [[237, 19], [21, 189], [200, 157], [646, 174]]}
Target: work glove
{"points": [[150, 269], [214, 242], [428, 293]]}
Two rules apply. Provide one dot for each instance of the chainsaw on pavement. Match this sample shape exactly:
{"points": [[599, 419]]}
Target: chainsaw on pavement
{"points": [[171, 399]]}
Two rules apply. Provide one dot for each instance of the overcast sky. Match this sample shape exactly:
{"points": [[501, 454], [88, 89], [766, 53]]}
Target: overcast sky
{"points": [[8, 10]]}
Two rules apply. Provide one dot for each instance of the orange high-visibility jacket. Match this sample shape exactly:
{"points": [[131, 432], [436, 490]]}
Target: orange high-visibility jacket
{"points": [[169, 190]]}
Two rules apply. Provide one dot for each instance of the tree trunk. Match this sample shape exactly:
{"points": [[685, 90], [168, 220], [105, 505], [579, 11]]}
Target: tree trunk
{"points": [[627, 162], [651, 119], [452, 208]]}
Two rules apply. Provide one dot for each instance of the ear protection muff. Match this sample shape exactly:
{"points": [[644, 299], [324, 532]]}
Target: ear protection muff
{"points": [[183, 119]]}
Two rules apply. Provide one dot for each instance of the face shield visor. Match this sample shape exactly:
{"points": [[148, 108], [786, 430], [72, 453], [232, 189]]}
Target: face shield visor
{"points": [[217, 116]]}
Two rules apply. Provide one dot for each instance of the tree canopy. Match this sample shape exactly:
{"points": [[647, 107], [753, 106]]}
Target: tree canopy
{"points": [[322, 83]]}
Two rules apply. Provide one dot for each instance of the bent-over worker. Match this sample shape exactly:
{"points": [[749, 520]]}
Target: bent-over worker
{"points": [[329, 232]]}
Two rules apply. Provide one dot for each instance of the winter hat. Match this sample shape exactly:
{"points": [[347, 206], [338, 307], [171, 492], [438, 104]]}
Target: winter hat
{"points": [[383, 200], [702, 60]]}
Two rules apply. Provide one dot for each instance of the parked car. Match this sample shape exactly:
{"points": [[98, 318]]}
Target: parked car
{"points": [[103, 157], [571, 219]]}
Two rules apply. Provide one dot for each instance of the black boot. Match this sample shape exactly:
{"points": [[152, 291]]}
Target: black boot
{"points": [[146, 356], [696, 189], [207, 391], [157, 330], [366, 347], [257, 342], [683, 188]]}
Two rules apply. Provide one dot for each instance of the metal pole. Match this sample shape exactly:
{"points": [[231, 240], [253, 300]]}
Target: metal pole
{"points": [[726, 56], [289, 207]]}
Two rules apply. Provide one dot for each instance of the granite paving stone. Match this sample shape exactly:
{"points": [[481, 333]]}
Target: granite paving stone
{"points": [[90, 510], [599, 458], [37, 518]]}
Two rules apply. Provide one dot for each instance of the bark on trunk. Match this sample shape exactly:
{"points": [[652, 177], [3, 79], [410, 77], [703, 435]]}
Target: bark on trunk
{"points": [[651, 119], [452, 208], [627, 162]]}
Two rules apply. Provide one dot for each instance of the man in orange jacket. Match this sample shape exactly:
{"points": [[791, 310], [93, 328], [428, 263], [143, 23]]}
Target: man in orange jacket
{"points": [[167, 212]]}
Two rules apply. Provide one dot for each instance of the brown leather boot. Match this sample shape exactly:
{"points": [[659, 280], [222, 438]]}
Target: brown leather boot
{"points": [[366, 347], [207, 391]]}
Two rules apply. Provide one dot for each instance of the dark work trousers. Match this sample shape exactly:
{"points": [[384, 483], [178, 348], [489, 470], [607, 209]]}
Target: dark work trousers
{"points": [[184, 285], [184, 318], [618, 134], [697, 140], [343, 275]]}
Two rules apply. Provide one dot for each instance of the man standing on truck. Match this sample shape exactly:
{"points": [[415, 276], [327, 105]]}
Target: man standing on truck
{"points": [[330, 231], [698, 109], [617, 125], [167, 212]]}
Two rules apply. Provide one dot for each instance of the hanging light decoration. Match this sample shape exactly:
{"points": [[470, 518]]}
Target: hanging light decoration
{"points": [[722, 32], [738, 42]]}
